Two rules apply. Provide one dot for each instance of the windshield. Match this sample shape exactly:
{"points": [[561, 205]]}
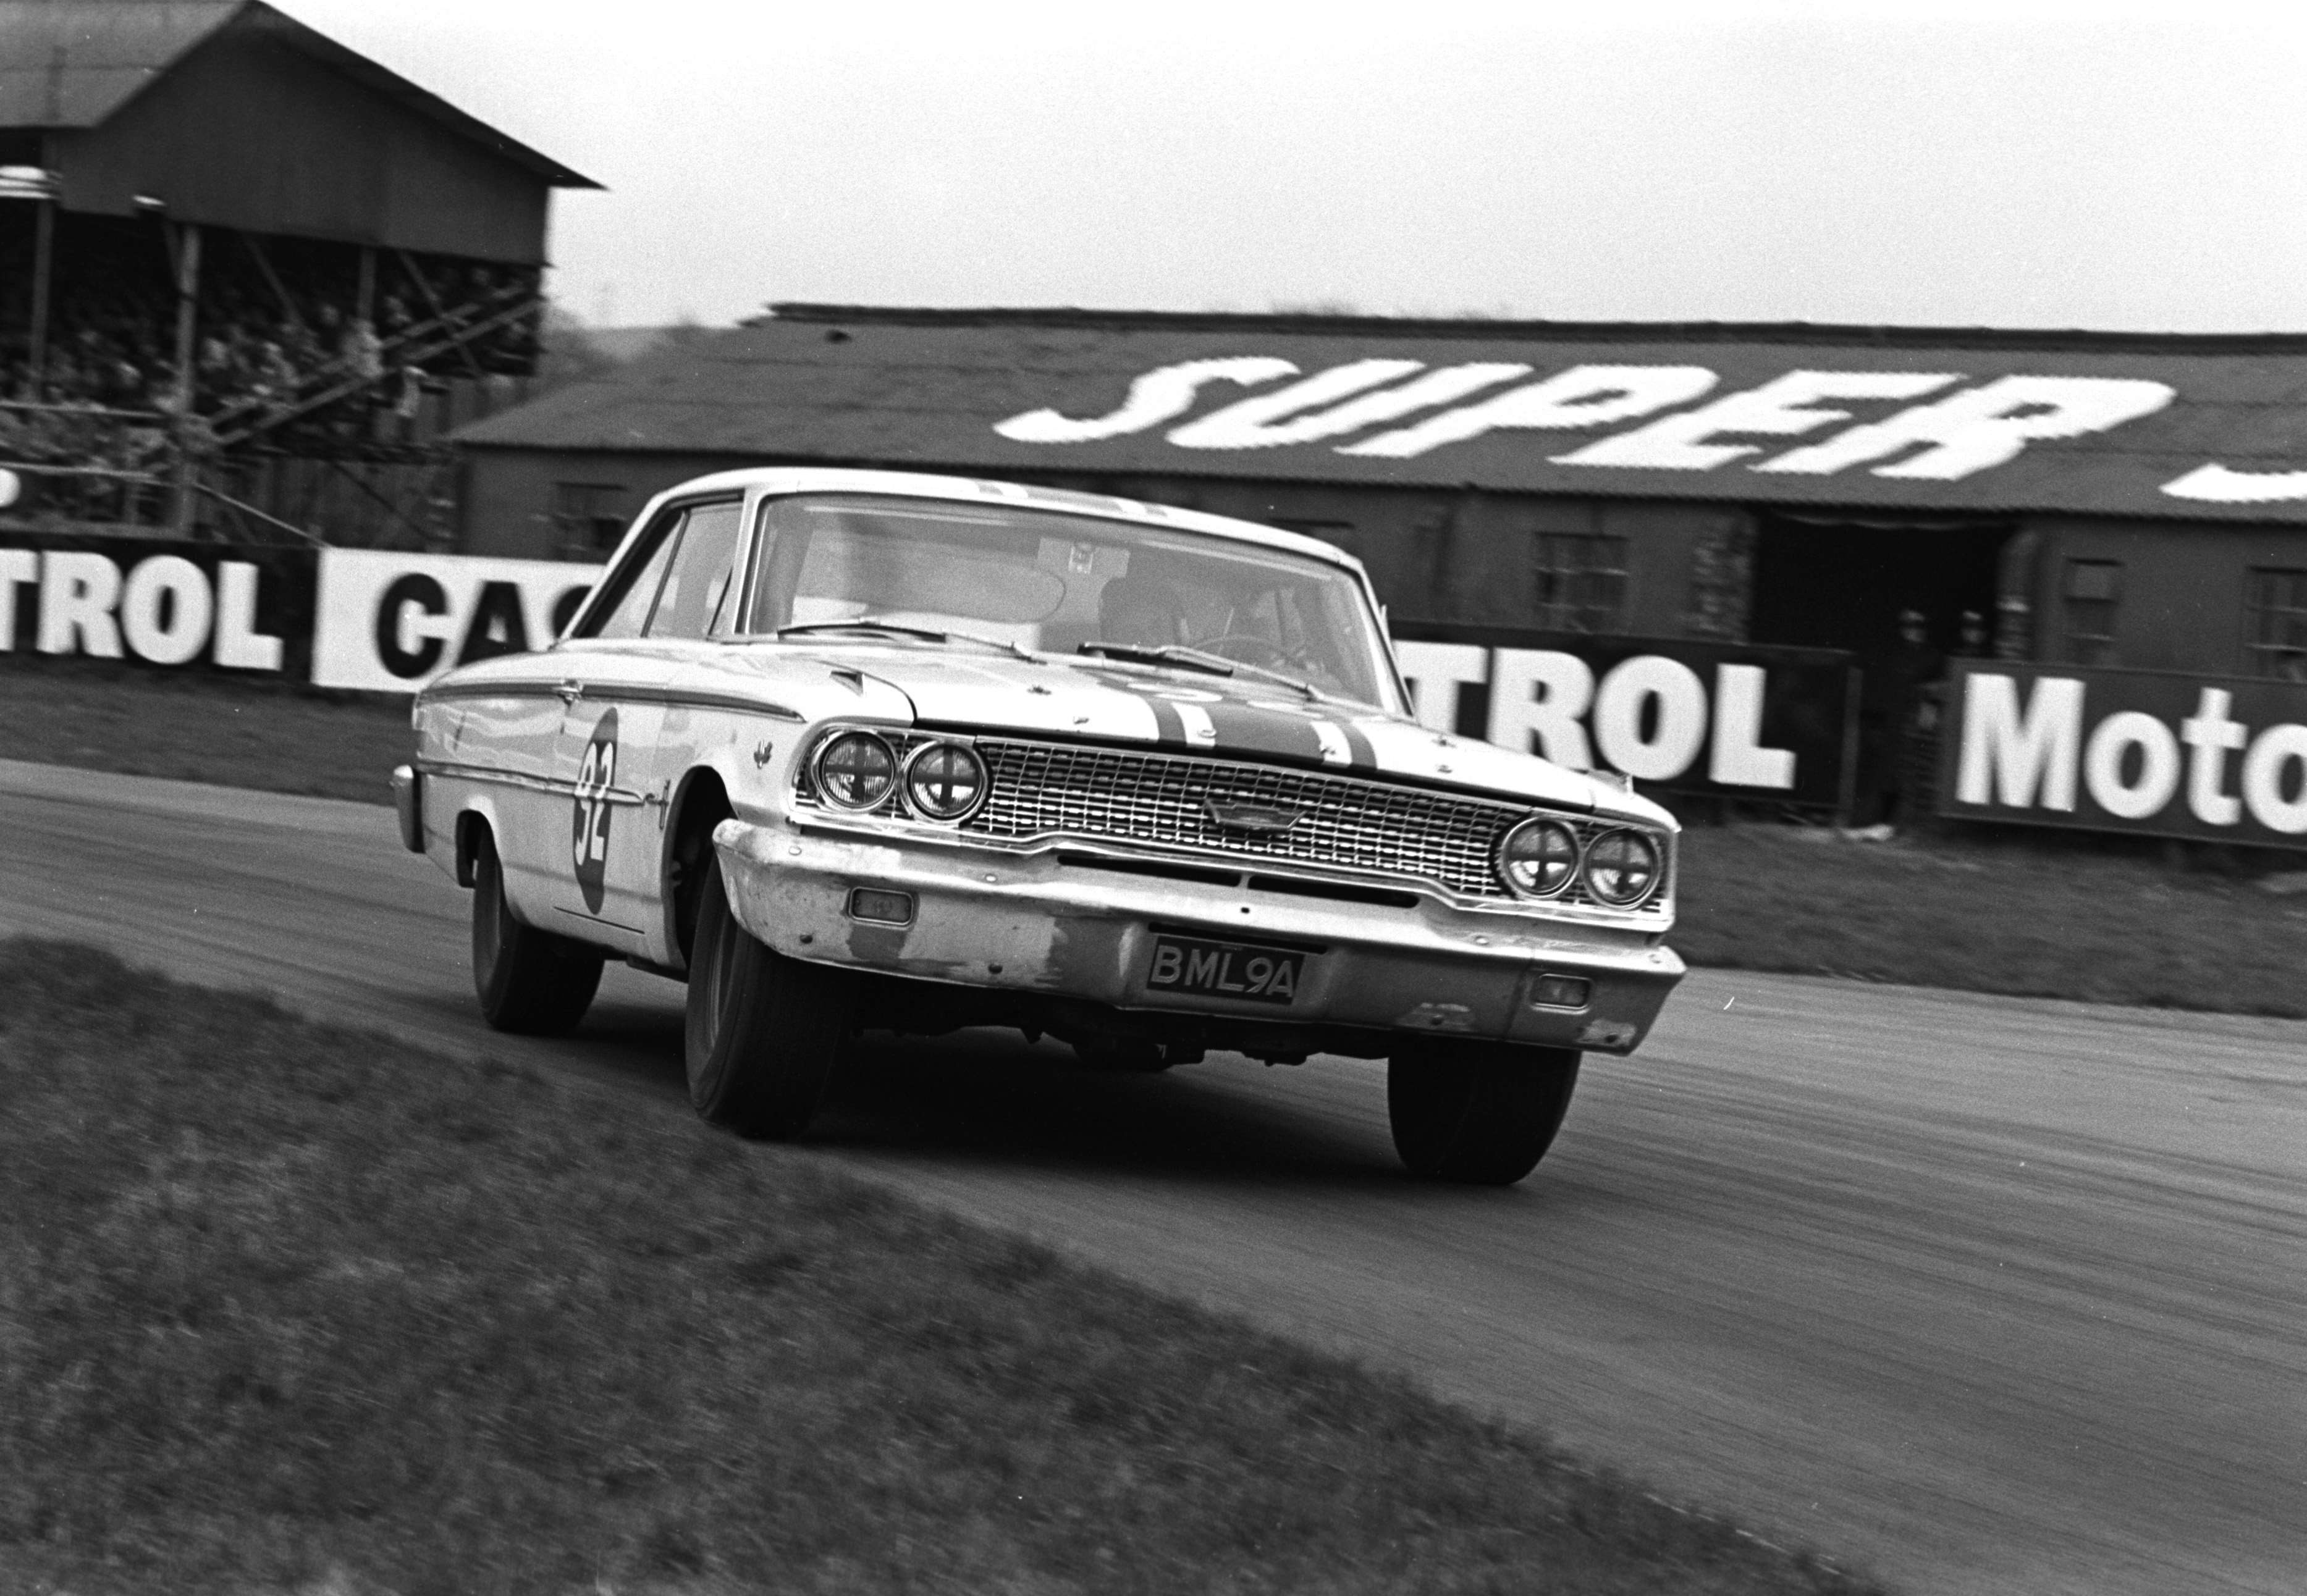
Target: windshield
{"points": [[1042, 579]]}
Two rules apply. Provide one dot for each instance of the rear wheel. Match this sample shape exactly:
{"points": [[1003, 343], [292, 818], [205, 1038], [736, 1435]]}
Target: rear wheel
{"points": [[529, 982], [763, 1031], [1481, 1112]]}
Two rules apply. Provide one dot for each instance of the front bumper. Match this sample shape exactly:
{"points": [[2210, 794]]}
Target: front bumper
{"points": [[1035, 923]]}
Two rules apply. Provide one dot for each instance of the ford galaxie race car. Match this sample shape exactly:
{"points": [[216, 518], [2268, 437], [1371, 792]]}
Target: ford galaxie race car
{"points": [[851, 750]]}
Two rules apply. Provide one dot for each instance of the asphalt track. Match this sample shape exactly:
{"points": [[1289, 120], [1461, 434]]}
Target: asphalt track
{"points": [[1985, 1295]]}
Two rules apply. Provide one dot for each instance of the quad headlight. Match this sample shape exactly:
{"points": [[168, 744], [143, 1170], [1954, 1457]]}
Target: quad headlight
{"points": [[1539, 858], [856, 770], [1621, 868], [944, 780]]}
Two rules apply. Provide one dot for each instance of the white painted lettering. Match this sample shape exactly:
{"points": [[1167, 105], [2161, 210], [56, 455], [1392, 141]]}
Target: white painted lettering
{"points": [[2216, 485], [1668, 693], [1739, 758], [77, 594], [1436, 672], [1159, 396], [19, 567], [239, 646], [2210, 732], [1581, 397], [2264, 769], [1294, 414], [166, 608], [1536, 699], [2014, 754], [1781, 407], [1981, 427], [2111, 740]]}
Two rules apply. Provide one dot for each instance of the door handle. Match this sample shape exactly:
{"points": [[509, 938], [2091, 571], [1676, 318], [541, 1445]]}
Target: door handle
{"points": [[570, 692]]}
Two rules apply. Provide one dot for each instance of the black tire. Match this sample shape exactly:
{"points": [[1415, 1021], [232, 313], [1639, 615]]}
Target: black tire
{"points": [[1479, 1112], [530, 982], [763, 1031]]}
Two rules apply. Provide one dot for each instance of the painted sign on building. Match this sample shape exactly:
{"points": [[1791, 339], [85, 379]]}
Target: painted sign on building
{"points": [[1918, 425], [2220, 759], [1726, 719]]}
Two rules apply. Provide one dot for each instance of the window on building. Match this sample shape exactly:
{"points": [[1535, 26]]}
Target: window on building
{"points": [[587, 517], [2094, 588], [2275, 623], [1580, 582]]}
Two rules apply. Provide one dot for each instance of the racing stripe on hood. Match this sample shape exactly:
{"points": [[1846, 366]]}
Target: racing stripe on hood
{"points": [[1252, 729]]}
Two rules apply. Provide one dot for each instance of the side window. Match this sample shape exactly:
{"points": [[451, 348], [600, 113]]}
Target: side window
{"points": [[630, 610], [697, 585]]}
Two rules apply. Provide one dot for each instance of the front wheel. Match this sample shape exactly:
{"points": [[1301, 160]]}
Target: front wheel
{"points": [[1479, 1112], [530, 982], [763, 1031]]}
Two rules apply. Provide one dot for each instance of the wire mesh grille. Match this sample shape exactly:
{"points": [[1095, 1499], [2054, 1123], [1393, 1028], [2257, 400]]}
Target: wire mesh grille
{"points": [[1053, 790]]}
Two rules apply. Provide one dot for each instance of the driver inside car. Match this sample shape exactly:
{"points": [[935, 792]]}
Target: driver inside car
{"points": [[1143, 610]]}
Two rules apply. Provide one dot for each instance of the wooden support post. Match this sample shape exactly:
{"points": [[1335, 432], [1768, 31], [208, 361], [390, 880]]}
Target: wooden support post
{"points": [[188, 296], [44, 250], [365, 298], [1846, 801]]}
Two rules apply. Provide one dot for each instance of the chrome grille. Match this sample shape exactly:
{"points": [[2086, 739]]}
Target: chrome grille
{"points": [[1040, 790]]}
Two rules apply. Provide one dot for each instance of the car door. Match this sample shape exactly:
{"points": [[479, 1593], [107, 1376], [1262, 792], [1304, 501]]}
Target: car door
{"points": [[609, 757]]}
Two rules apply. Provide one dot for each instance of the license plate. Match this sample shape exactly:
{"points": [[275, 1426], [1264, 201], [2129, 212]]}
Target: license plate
{"points": [[1225, 969]]}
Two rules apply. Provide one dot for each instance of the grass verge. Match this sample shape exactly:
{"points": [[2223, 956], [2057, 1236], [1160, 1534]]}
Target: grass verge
{"points": [[2025, 915], [288, 1307], [192, 727], [2032, 915]]}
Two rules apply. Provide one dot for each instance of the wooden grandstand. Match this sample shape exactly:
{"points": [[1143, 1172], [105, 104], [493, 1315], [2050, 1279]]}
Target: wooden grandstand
{"points": [[249, 279]]}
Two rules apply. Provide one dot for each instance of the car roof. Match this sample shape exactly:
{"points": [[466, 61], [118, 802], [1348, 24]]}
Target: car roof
{"points": [[967, 490]]}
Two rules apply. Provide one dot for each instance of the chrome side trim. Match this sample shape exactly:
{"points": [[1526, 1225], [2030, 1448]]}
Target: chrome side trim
{"points": [[590, 693], [559, 789]]}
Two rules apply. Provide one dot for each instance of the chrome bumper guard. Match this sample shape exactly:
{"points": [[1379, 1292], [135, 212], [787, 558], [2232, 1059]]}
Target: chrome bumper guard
{"points": [[408, 804]]}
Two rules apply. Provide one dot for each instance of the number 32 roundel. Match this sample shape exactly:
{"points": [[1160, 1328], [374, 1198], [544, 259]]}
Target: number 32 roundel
{"points": [[597, 778]]}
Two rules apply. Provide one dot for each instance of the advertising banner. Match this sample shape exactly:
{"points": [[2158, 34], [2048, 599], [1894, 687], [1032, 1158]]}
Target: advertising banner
{"points": [[1729, 720], [390, 623], [158, 601], [2213, 758]]}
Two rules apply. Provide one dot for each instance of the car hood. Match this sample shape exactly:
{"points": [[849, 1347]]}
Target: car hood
{"points": [[1116, 700]]}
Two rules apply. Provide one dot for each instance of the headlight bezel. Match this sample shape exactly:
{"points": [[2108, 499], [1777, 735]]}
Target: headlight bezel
{"points": [[1535, 825], [1589, 862], [827, 788], [945, 745]]}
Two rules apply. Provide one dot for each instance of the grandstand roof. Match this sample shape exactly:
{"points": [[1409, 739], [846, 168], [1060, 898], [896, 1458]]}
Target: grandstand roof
{"points": [[72, 64], [2200, 428]]}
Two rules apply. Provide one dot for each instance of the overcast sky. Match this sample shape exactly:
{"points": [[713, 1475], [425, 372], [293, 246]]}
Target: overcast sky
{"points": [[2018, 164]]}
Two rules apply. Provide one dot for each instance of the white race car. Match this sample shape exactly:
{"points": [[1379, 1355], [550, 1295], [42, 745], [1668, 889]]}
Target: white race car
{"points": [[856, 750]]}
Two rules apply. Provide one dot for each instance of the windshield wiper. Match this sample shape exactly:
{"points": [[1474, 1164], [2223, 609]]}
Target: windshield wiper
{"points": [[1196, 659], [1162, 654], [870, 623]]}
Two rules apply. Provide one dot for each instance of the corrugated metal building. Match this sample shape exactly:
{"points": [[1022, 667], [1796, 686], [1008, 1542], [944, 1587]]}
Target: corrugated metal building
{"points": [[2093, 497]]}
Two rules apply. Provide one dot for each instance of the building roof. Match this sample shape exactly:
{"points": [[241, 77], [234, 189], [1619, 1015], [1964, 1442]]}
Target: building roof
{"points": [[72, 64], [2187, 426]]}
